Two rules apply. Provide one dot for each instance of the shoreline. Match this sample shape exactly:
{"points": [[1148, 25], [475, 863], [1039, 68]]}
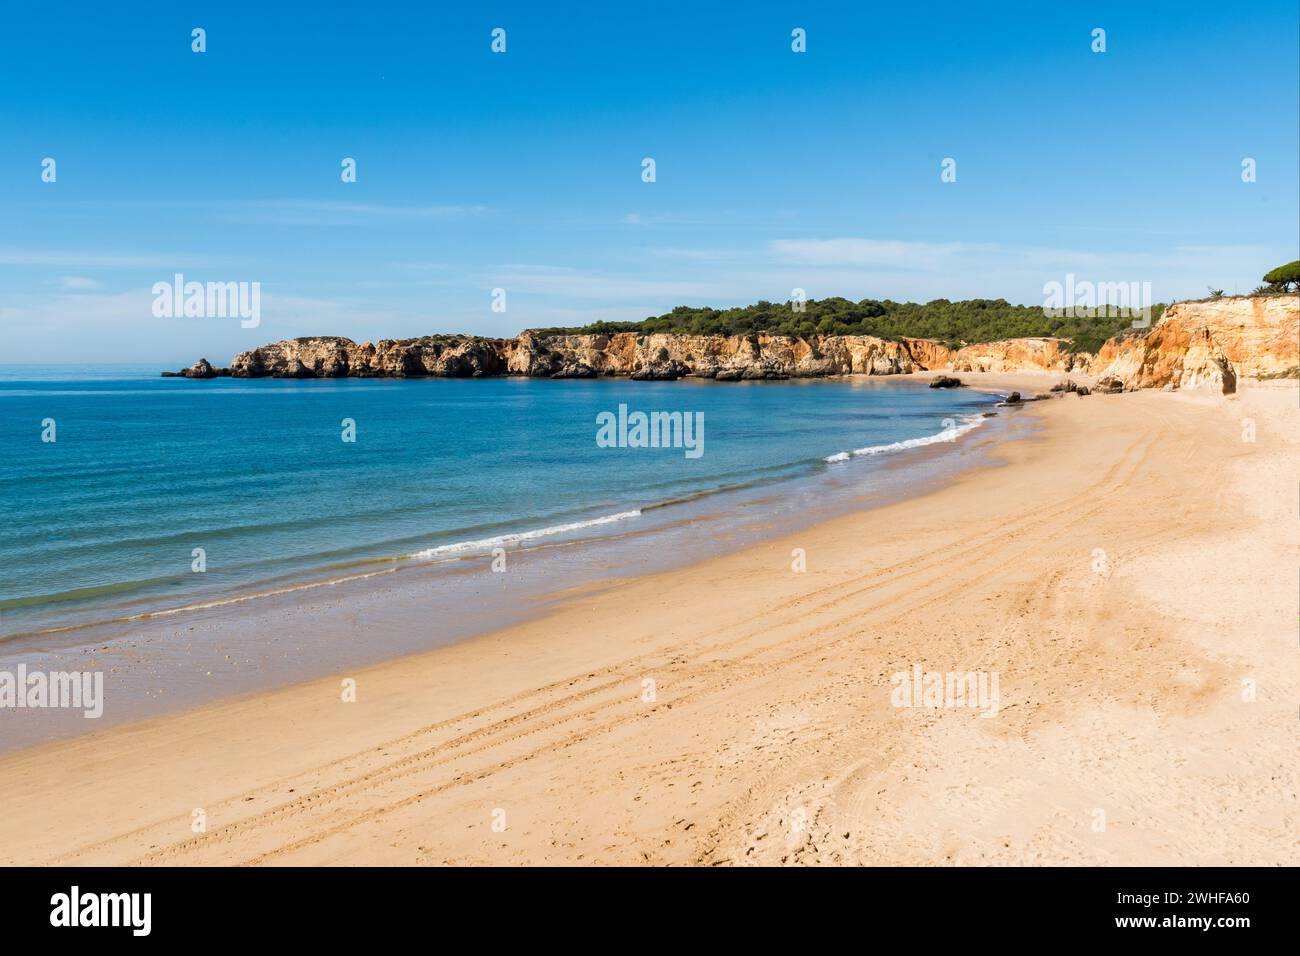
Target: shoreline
{"points": [[770, 694], [138, 607], [370, 567], [226, 646]]}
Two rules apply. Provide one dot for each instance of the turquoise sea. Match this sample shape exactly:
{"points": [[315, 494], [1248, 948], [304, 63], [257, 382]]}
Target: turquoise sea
{"points": [[157, 494]]}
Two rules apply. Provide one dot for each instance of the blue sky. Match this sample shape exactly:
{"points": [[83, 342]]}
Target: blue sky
{"points": [[522, 170]]}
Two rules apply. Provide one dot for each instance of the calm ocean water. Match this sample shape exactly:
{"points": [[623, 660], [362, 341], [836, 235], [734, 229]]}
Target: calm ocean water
{"points": [[103, 522]]}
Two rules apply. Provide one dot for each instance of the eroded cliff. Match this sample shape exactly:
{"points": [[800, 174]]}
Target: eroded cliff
{"points": [[1018, 355], [1195, 344], [1207, 344]]}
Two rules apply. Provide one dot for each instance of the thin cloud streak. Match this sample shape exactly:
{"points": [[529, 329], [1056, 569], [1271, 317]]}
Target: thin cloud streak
{"points": [[90, 259]]}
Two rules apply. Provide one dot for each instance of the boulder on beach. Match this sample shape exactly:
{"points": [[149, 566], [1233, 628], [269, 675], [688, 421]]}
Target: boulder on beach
{"points": [[945, 381]]}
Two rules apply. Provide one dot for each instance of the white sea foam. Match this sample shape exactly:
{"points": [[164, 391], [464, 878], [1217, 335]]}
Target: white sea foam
{"points": [[504, 539], [442, 551], [970, 423]]}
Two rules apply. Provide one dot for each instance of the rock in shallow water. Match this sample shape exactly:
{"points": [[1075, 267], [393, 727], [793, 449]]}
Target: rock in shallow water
{"points": [[668, 371], [201, 369]]}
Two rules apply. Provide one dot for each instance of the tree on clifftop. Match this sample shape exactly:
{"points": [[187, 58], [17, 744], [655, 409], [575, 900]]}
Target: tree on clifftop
{"points": [[1284, 278]]}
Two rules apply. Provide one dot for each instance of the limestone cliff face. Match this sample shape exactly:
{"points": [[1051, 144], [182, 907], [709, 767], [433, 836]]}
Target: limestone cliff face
{"points": [[757, 356], [780, 356], [663, 355], [331, 356], [1207, 344], [1019, 355], [1195, 345], [929, 354], [654, 356]]}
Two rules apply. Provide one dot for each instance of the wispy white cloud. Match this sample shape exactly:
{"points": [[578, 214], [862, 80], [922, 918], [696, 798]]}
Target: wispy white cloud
{"points": [[866, 267], [977, 258], [79, 283], [121, 326], [311, 212], [291, 212], [582, 284], [98, 259], [673, 219], [712, 255], [916, 270], [420, 266], [871, 252]]}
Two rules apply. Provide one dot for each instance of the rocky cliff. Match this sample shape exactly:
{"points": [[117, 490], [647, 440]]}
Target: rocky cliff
{"points": [[1018, 355], [653, 356], [726, 358], [450, 356], [1207, 344], [1196, 344]]}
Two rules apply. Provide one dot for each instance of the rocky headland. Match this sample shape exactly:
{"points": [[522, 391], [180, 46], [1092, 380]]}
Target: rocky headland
{"points": [[1203, 344]]}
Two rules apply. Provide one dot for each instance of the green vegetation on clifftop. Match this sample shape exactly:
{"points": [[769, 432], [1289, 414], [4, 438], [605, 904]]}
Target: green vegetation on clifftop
{"points": [[953, 323]]}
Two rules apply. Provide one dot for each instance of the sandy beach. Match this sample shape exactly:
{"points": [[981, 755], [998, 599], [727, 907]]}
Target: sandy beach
{"points": [[1129, 574]]}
